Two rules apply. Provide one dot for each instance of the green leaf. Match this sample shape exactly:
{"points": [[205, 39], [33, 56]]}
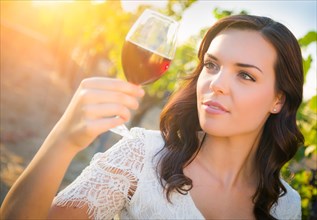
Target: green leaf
{"points": [[306, 65], [308, 39], [218, 13], [313, 104]]}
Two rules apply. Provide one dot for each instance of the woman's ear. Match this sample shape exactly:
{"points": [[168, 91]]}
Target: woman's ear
{"points": [[278, 103]]}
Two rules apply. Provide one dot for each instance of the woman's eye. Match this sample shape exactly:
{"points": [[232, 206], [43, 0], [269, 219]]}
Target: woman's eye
{"points": [[211, 66], [246, 76]]}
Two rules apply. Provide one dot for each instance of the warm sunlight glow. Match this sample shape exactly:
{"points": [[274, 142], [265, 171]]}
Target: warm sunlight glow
{"points": [[97, 1], [44, 2], [131, 6]]}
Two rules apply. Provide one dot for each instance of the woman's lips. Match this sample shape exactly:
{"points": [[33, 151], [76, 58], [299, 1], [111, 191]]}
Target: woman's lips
{"points": [[213, 107]]}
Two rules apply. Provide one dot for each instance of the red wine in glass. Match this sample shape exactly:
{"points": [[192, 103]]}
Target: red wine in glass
{"points": [[147, 52], [141, 65]]}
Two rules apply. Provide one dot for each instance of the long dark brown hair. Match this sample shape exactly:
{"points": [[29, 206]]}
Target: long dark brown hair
{"points": [[280, 138]]}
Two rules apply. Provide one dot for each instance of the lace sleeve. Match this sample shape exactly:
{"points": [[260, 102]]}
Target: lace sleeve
{"points": [[110, 180]]}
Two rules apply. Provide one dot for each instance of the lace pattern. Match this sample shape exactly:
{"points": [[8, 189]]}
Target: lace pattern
{"points": [[123, 181], [110, 180]]}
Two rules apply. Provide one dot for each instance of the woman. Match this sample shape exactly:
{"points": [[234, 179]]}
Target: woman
{"points": [[223, 139]]}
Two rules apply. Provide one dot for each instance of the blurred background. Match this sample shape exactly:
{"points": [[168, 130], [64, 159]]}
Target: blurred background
{"points": [[48, 47]]}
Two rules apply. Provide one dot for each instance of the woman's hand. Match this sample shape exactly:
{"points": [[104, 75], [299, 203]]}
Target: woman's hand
{"points": [[92, 111], [98, 105]]}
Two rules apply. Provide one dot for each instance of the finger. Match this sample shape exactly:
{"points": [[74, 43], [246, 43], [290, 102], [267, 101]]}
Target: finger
{"points": [[97, 111], [95, 96], [98, 126], [104, 83]]}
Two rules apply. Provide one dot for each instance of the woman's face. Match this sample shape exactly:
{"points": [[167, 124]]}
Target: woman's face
{"points": [[236, 87]]}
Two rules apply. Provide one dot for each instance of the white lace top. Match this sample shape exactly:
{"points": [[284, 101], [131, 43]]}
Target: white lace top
{"points": [[123, 181]]}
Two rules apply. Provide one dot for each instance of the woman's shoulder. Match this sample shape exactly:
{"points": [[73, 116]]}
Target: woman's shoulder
{"points": [[288, 205], [150, 140]]}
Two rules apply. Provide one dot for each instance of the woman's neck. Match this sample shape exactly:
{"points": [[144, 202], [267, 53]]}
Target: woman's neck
{"points": [[230, 160]]}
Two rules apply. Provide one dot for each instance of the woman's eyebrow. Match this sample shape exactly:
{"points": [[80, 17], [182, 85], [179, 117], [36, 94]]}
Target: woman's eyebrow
{"points": [[248, 66], [237, 64], [211, 56]]}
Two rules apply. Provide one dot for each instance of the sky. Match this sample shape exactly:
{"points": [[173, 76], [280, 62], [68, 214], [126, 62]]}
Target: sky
{"points": [[299, 16]]}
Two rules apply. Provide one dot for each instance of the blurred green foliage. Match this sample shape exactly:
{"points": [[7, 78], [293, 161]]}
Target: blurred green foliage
{"points": [[304, 163]]}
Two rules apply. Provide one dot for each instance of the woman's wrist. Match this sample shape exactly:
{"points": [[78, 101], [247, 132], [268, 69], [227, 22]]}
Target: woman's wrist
{"points": [[58, 142]]}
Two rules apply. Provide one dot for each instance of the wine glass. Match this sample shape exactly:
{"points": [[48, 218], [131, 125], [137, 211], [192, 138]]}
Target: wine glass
{"points": [[148, 50]]}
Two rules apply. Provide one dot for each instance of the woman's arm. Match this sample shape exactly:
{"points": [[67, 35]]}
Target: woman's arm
{"points": [[89, 114], [32, 194]]}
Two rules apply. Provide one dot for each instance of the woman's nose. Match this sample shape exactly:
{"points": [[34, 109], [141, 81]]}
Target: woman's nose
{"points": [[219, 83]]}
